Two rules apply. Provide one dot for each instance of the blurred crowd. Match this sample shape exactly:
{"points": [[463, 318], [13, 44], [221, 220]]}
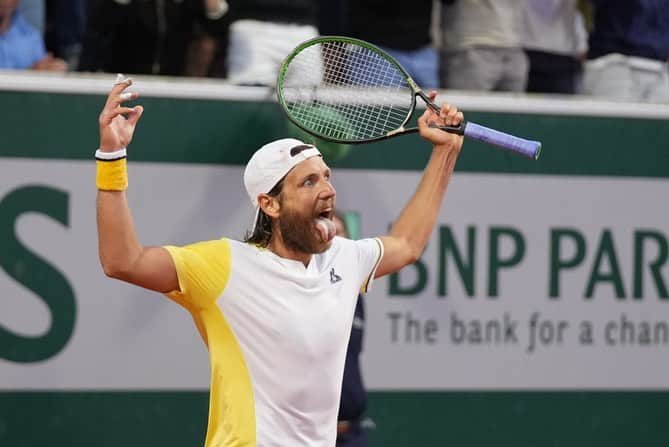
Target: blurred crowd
{"points": [[616, 49]]}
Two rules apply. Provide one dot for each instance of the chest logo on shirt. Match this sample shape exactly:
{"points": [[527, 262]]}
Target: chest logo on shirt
{"points": [[334, 278]]}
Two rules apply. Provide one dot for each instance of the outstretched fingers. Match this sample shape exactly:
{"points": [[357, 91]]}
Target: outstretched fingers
{"points": [[117, 96]]}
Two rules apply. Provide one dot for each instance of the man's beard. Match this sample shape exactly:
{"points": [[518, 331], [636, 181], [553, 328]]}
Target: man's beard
{"points": [[298, 232]]}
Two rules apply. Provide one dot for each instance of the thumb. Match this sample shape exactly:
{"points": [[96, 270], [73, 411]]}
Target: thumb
{"points": [[424, 118], [135, 115]]}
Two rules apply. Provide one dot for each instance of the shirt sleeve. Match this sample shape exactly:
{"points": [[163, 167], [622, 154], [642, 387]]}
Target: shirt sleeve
{"points": [[37, 48], [26, 45], [203, 270], [370, 253]]}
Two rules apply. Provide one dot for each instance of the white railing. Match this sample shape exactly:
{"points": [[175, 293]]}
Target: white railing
{"points": [[217, 89]]}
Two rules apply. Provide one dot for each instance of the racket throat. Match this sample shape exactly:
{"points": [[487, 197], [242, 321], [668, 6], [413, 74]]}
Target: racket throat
{"points": [[458, 130], [397, 131]]}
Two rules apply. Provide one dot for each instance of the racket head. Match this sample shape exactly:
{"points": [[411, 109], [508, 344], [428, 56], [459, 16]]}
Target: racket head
{"points": [[345, 90]]}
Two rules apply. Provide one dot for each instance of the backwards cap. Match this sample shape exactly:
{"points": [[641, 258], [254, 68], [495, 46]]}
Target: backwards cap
{"points": [[271, 163]]}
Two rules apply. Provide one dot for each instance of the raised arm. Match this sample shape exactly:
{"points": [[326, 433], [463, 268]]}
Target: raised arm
{"points": [[411, 231], [121, 255]]}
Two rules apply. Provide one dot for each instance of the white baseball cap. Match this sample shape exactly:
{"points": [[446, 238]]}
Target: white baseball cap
{"points": [[271, 163]]}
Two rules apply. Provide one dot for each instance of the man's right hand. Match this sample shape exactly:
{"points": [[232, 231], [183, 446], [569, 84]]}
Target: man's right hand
{"points": [[117, 123]]}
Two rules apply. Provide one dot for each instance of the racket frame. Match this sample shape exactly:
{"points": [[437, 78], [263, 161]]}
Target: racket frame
{"points": [[532, 149], [415, 90]]}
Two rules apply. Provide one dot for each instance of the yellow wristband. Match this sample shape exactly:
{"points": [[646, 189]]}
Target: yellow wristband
{"points": [[112, 175]]}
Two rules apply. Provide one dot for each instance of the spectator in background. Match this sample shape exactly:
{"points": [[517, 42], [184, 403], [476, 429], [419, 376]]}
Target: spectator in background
{"points": [[65, 28], [352, 425], [404, 32], [145, 36], [334, 17], [628, 51], [555, 40], [34, 12], [482, 45], [22, 45], [207, 53], [263, 33]]}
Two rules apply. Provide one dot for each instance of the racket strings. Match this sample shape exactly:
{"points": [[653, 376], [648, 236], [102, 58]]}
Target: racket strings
{"points": [[369, 69], [337, 73], [346, 91]]}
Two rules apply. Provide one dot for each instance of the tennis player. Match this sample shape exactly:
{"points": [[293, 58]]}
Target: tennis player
{"points": [[275, 311]]}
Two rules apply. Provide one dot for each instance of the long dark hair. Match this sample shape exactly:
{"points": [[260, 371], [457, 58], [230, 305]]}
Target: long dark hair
{"points": [[262, 232]]}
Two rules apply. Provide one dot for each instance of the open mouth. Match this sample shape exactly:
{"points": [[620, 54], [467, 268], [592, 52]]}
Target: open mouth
{"points": [[324, 224], [326, 214]]}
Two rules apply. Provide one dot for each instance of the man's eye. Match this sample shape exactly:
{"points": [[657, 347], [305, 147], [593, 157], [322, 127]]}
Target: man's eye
{"points": [[308, 183]]}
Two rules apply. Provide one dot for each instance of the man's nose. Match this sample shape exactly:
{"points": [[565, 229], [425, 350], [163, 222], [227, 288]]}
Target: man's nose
{"points": [[328, 191]]}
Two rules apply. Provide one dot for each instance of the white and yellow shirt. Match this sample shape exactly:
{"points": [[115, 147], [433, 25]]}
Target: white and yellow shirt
{"points": [[277, 333]]}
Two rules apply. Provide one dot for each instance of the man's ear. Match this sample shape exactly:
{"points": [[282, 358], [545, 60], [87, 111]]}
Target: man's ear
{"points": [[270, 205]]}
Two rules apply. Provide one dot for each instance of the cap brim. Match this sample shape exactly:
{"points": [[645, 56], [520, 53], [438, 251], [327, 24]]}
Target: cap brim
{"points": [[255, 220]]}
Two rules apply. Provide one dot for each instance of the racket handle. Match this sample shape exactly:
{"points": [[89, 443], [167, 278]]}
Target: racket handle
{"points": [[528, 148]]}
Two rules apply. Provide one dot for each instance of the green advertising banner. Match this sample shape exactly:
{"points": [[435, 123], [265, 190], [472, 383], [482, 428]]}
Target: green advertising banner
{"points": [[537, 315]]}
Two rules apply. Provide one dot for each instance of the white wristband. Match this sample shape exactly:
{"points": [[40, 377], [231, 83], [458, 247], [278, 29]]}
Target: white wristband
{"points": [[111, 156]]}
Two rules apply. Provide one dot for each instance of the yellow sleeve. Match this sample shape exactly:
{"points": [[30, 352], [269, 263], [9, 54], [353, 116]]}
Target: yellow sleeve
{"points": [[203, 270]]}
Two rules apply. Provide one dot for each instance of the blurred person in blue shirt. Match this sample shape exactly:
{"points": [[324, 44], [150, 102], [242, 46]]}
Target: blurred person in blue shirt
{"points": [[21, 45], [34, 12]]}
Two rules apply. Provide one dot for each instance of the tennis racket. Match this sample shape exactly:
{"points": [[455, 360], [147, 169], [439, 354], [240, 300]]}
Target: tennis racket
{"points": [[349, 91]]}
